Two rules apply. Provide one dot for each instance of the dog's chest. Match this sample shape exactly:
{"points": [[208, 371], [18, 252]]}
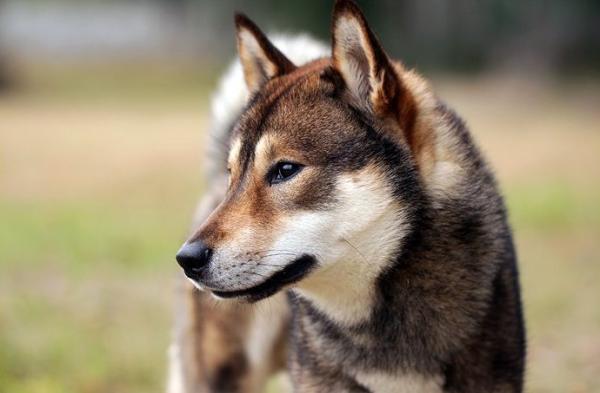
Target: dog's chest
{"points": [[400, 383], [345, 354]]}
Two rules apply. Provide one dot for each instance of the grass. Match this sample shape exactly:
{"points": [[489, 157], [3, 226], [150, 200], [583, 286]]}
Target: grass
{"points": [[98, 180]]}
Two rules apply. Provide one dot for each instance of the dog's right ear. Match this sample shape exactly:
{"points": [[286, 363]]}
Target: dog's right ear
{"points": [[260, 59]]}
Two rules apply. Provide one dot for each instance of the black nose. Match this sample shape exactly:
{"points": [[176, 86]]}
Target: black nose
{"points": [[194, 257]]}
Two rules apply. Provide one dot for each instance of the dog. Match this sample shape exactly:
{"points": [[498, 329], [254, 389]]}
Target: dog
{"points": [[348, 194]]}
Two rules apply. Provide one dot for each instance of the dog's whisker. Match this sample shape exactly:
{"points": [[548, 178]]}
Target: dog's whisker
{"points": [[256, 274], [355, 249], [278, 254], [273, 250], [260, 263]]}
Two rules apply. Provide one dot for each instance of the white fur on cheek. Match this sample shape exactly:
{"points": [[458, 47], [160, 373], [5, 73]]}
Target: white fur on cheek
{"points": [[303, 233], [360, 236]]}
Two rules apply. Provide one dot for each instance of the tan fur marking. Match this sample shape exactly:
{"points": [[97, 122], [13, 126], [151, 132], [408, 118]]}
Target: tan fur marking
{"points": [[264, 154]]}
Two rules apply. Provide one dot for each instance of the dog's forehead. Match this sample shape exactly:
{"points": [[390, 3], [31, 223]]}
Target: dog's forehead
{"points": [[290, 104], [300, 113], [295, 129]]}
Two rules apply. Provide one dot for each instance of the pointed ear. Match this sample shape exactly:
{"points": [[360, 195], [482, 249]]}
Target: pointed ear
{"points": [[260, 59], [360, 59]]}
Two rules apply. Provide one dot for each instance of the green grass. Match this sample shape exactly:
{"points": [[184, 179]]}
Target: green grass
{"points": [[86, 293], [79, 340], [553, 206], [83, 237]]}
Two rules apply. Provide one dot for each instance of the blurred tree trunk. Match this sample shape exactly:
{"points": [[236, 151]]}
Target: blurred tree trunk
{"points": [[3, 77], [5, 74], [6, 79], [176, 8]]}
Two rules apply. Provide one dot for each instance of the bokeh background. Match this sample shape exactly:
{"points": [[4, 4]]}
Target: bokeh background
{"points": [[103, 111]]}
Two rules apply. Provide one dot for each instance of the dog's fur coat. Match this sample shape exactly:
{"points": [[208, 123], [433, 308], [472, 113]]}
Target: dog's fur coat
{"points": [[354, 187]]}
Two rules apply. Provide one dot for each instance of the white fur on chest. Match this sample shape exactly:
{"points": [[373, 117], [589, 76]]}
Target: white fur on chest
{"points": [[402, 383]]}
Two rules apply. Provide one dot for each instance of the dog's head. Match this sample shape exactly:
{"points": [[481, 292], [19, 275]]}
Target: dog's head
{"points": [[321, 167]]}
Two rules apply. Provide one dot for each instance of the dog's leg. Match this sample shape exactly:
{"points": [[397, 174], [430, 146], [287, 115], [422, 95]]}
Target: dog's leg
{"points": [[225, 346]]}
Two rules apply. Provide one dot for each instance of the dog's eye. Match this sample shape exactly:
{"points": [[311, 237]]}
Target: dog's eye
{"points": [[283, 171]]}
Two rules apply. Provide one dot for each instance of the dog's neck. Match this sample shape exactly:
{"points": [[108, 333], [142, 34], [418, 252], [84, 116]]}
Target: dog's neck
{"points": [[346, 290]]}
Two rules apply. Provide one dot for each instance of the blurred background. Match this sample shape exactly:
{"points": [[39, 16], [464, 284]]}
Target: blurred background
{"points": [[103, 108]]}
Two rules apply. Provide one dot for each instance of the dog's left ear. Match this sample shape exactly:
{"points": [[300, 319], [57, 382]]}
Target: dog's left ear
{"points": [[260, 59], [365, 67]]}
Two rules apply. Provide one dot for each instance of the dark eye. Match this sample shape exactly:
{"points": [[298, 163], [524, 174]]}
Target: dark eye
{"points": [[283, 171]]}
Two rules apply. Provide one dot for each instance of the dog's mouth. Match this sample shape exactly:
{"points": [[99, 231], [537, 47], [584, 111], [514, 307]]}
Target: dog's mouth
{"points": [[290, 274]]}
